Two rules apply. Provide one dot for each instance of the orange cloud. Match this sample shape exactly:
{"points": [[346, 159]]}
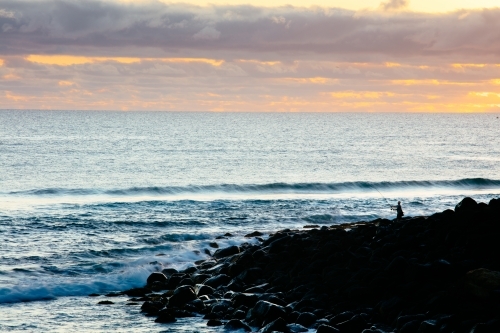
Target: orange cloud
{"points": [[70, 60]]}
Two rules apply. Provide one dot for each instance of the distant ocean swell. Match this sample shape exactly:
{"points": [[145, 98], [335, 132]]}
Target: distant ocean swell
{"points": [[467, 183]]}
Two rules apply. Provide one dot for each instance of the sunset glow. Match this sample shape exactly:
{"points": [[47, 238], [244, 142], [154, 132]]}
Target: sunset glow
{"points": [[143, 55]]}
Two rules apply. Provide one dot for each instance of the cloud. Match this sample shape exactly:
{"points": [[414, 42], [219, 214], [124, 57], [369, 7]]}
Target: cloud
{"points": [[394, 4], [113, 29], [209, 33]]}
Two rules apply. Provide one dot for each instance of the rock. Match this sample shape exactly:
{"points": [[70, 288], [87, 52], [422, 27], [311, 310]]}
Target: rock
{"points": [[296, 328], [218, 280], [201, 289], [94, 295], [355, 324], [137, 292], [214, 322], [311, 226], [190, 270], [156, 277], [244, 299], [467, 204], [341, 317], [187, 282], [106, 302], [151, 307], [410, 327], [165, 318], [181, 296], [327, 329], [278, 325], [481, 282], [264, 311], [402, 320], [214, 245], [254, 234], [226, 252], [428, 326], [494, 204], [251, 275], [306, 319], [235, 324], [169, 271]]}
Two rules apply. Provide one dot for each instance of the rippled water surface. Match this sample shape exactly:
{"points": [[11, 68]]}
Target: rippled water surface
{"points": [[93, 202]]}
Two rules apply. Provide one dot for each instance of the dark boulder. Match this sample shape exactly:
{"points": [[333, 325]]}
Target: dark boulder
{"points": [[217, 281], [254, 234], [137, 292], [244, 299], [156, 277], [169, 271], [201, 289], [306, 319], [226, 252], [181, 296], [235, 324], [165, 317], [467, 204], [278, 325], [296, 328], [264, 311], [214, 322], [327, 329]]}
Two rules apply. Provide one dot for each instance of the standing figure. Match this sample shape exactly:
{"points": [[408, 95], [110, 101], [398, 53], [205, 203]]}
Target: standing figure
{"points": [[399, 210]]}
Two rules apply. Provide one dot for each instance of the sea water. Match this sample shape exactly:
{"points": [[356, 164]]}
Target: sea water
{"points": [[93, 202]]}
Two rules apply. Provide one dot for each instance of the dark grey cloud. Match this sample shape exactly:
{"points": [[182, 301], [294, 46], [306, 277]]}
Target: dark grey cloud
{"points": [[155, 29]]}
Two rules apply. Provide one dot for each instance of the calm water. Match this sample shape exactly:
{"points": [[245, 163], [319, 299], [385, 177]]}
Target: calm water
{"points": [[92, 202]]}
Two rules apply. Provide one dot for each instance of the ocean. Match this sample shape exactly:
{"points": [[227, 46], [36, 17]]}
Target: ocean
{"points": [[93, 202]]}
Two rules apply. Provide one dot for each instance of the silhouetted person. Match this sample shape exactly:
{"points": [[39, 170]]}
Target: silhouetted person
{"points": [[399, 210]]}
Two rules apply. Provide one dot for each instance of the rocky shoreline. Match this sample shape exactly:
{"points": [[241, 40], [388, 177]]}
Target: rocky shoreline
{"points": [[438, 273]]}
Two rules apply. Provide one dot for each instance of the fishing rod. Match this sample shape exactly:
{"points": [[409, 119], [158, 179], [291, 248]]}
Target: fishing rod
{"points": [[392, 207]]}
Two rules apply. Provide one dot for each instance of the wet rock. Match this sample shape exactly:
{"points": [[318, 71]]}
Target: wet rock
{"points": [[137, 292], [296, 328], [327, 329], [254, 234], [151, 307], [165, 318], [94, 295], [341, 317], [264, 311], [190, 270], [402, 320], [410, 327], [214, 322], [201, 289], [106, 302], [187, 282], [218, 280], [214, 245], [226, 252], [356, 324], [156, 277], [428, 326], [181, 296], [306, 319], [235, 324], [278, 325], [244, 299]]}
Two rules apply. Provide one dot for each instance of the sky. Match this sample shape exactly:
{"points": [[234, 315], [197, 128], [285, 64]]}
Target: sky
{"points": [[325, 56]]}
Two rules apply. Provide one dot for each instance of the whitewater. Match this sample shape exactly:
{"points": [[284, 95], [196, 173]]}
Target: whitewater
{"points": [[93, 202]]}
